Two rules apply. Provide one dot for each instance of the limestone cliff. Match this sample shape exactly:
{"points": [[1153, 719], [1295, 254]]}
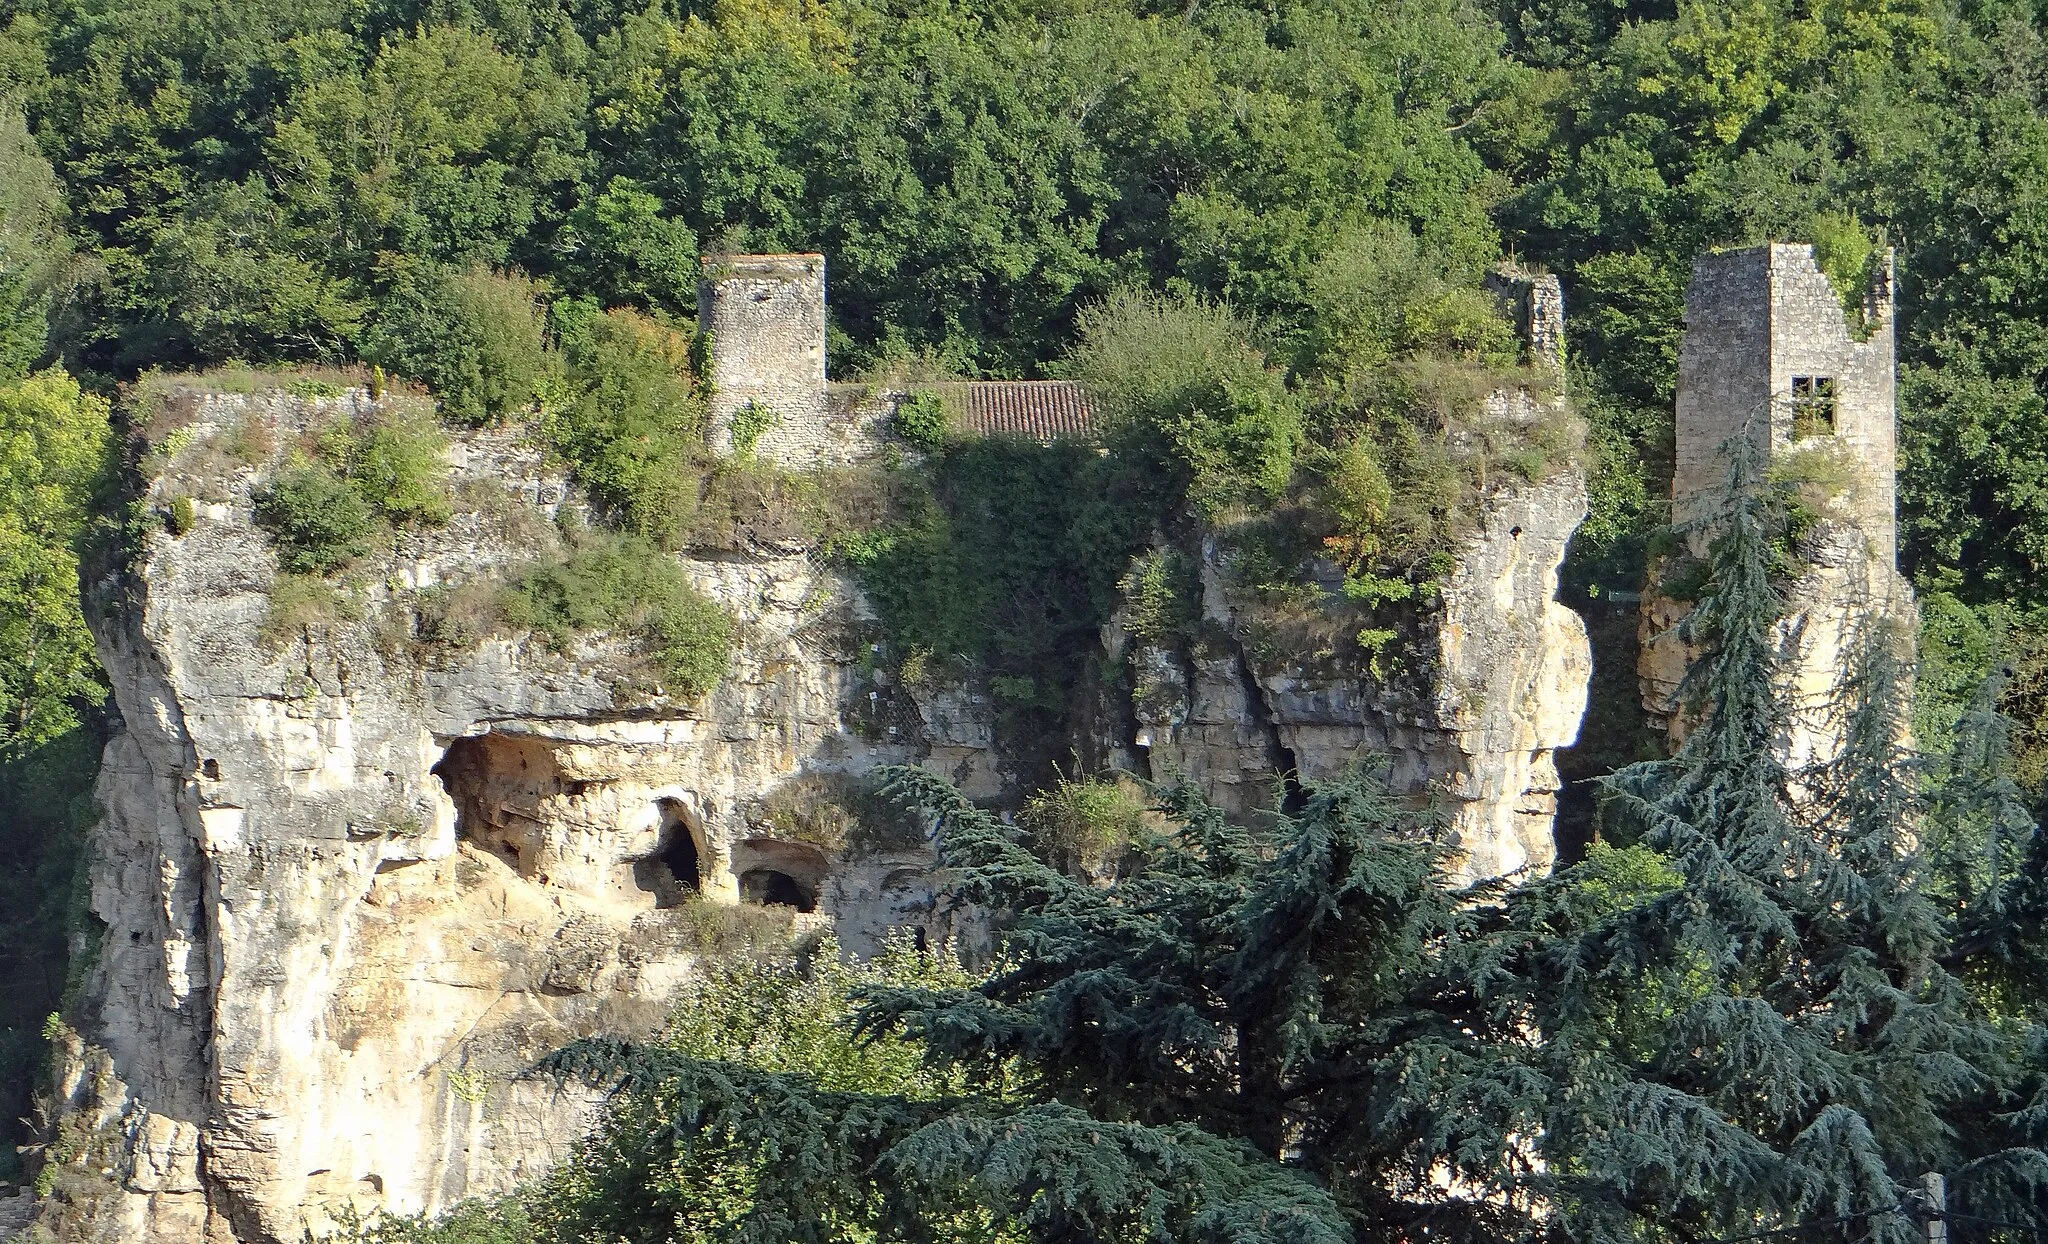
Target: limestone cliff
{"points": [[1488, 681], [349, 888], [353, 879]]}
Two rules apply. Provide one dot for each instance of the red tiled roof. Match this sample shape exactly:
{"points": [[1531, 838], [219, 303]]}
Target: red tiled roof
{"points": [[1043, 410]]}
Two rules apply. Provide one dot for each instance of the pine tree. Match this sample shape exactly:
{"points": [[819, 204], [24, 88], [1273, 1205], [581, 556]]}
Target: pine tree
{"points": [[1264, 1032], [1797, 1048], [1768, 1013]]}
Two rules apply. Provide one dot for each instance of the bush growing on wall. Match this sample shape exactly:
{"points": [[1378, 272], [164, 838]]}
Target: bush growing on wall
{"points": [[920, 418], [393, 461], [385, 467]]}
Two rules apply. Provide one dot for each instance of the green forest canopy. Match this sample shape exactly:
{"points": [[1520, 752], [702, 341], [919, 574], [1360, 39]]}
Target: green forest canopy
{"points": [[282, 179]]}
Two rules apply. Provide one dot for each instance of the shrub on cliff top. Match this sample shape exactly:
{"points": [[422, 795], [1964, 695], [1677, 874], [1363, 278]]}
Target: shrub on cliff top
{"points": [[628, 417], [476, 337], [393, 462], [317, 521], [1177, 380], [625, 585]]}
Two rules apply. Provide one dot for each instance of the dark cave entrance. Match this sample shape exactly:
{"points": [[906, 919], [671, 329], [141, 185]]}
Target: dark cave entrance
{"points": [[681, 857], [676, 869], [768, 887]]}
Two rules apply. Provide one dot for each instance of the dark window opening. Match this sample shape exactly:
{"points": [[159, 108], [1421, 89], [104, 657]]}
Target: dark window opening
{"points": [[768, 888], [1813, 406]]}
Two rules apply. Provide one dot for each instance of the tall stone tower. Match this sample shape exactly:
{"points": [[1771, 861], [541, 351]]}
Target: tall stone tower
{"points": [[1770, 354], [763, 318]]}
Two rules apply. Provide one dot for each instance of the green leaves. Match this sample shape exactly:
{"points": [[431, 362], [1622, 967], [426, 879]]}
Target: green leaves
{"points": [[1808, 1049], [54, 456], [1177, 378], [475, 336], [317, 521], [624, 586]]}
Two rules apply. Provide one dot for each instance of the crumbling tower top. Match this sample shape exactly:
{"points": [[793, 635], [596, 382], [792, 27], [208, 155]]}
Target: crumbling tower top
{"points": [[1769, 353]]}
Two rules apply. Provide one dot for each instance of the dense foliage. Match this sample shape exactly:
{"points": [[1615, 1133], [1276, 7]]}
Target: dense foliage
{"points": [[54, 445]]}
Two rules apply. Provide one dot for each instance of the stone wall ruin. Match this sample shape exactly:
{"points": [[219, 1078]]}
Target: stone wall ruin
{"points": [[1771, 354]]}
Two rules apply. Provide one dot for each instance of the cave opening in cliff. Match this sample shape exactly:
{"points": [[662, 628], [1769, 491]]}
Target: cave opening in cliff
{"points": [[493, 780], [681, 857], [1293, 795], [676, 868], [765, 887], [465, 772], [777, 872]]}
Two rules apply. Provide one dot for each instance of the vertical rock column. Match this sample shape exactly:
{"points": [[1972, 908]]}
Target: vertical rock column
{"points": [[1499, 673]]}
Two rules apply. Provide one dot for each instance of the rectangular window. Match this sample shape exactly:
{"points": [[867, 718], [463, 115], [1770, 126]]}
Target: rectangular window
{"points": [[1813, 406]]}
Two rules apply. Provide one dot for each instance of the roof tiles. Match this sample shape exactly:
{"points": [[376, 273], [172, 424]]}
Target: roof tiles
{"points": [[1041, 410]]}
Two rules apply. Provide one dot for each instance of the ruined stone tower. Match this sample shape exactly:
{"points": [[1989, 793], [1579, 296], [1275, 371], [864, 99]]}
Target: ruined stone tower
{"points": [[763, 321], [1535, 302], [1770, 353]]}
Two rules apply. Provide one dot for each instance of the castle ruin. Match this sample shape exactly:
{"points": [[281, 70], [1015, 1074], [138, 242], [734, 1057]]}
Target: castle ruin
{"points": [[1771, 354], [761, 319]]}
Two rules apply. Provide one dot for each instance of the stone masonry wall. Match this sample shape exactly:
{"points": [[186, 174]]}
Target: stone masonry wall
{"points": [[1756, 320], [763, 317], [1724, 381]]}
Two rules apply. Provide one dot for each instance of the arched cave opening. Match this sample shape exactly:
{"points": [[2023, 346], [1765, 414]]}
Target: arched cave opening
{"points": [[676, 869], [777, 872], [490, 778], [464, 771], [766, 887], [680, 854]]}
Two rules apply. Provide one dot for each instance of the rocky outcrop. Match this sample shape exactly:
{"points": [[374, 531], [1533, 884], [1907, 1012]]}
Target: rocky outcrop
{"points": [[351, 886], [353, 878], [1489, 682]]}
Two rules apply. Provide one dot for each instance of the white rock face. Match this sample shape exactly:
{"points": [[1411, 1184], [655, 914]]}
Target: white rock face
{"points": [[1498, 683], [349, 894], [352, 885]]}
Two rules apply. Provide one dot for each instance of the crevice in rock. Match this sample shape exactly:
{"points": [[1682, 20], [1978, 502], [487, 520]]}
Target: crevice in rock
{"points": [[1614, 731], [1280, 759]]}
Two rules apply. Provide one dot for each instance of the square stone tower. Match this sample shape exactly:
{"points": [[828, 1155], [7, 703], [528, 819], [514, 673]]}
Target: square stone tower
{"points": [[763, 320], [1768, 353]]}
